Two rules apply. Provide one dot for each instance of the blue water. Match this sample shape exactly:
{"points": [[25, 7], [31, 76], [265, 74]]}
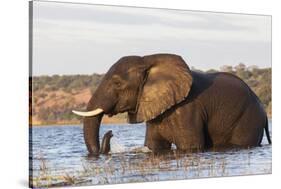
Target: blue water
{"points": [[63, 151]]}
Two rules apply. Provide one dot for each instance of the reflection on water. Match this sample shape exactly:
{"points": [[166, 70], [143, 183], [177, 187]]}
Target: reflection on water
{"points": [[59, 157]]}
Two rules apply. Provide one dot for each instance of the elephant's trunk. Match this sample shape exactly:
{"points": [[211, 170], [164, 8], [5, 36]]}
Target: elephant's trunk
{"points": [[91, 133], [100, 103]]}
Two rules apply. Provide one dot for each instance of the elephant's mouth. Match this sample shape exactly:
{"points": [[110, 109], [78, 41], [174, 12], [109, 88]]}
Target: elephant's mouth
{"points": [[113, 110], [117, 110], [111, 114]]}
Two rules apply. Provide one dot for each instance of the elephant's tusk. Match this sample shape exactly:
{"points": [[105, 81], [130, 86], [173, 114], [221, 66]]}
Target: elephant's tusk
{"points": [[89, 113]]}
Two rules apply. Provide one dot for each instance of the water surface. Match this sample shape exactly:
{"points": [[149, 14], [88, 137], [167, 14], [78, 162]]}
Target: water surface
{"points": [[59, 157]]}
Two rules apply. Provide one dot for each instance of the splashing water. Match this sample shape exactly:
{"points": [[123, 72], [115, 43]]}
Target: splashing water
{"points": [[116, 146]]}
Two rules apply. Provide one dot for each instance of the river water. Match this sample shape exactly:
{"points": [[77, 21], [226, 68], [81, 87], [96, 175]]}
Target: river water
{"points": [[59, 158]]}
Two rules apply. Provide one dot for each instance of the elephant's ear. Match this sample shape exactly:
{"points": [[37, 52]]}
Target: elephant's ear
{"points": [[168, 82]]}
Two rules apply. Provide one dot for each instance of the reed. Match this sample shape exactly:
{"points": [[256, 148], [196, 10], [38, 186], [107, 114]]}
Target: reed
{"points": [[119, 169]]}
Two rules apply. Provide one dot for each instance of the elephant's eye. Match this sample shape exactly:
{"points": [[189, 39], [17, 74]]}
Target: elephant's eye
{"points": [[117, 83]]}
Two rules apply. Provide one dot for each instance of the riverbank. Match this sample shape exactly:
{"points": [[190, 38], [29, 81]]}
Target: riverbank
{"points": [[105, 120]]}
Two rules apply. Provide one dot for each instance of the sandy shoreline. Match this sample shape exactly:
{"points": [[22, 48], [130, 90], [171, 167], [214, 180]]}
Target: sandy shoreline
{"points": [[73, 123]]}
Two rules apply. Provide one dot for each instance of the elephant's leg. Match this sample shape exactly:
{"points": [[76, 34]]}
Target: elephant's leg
{"points": [[187, 128], [158, 145], [191, 142], [154, 141], [249, 129]]}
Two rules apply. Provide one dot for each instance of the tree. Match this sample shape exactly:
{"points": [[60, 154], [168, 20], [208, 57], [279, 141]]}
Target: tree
{"points": [[226, 68], [211, 71], [252, 68], [240, 67]]}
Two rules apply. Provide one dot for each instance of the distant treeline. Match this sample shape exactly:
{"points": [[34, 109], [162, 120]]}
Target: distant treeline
{"points": [[67, 83], [54, 97]]}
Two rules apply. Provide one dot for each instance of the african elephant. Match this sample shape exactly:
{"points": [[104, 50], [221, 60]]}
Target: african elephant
{"points": [[189, 109]]}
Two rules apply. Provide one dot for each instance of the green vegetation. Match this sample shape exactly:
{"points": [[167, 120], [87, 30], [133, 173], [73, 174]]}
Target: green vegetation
{"points": [[53, 97], [67, 83]]}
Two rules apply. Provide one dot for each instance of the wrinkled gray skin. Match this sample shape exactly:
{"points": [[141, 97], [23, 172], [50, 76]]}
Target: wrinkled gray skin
{"points": [[189, 109]]}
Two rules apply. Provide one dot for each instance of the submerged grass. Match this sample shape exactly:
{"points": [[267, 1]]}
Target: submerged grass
{"points": [[120, 168]]}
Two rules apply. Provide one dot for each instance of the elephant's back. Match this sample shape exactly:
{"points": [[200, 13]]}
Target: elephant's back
{"points": [[226, 98], [230, 88], [221, 88]]}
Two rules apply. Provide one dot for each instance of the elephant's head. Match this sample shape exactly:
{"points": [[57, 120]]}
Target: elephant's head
{"points": [[145, 87]]}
